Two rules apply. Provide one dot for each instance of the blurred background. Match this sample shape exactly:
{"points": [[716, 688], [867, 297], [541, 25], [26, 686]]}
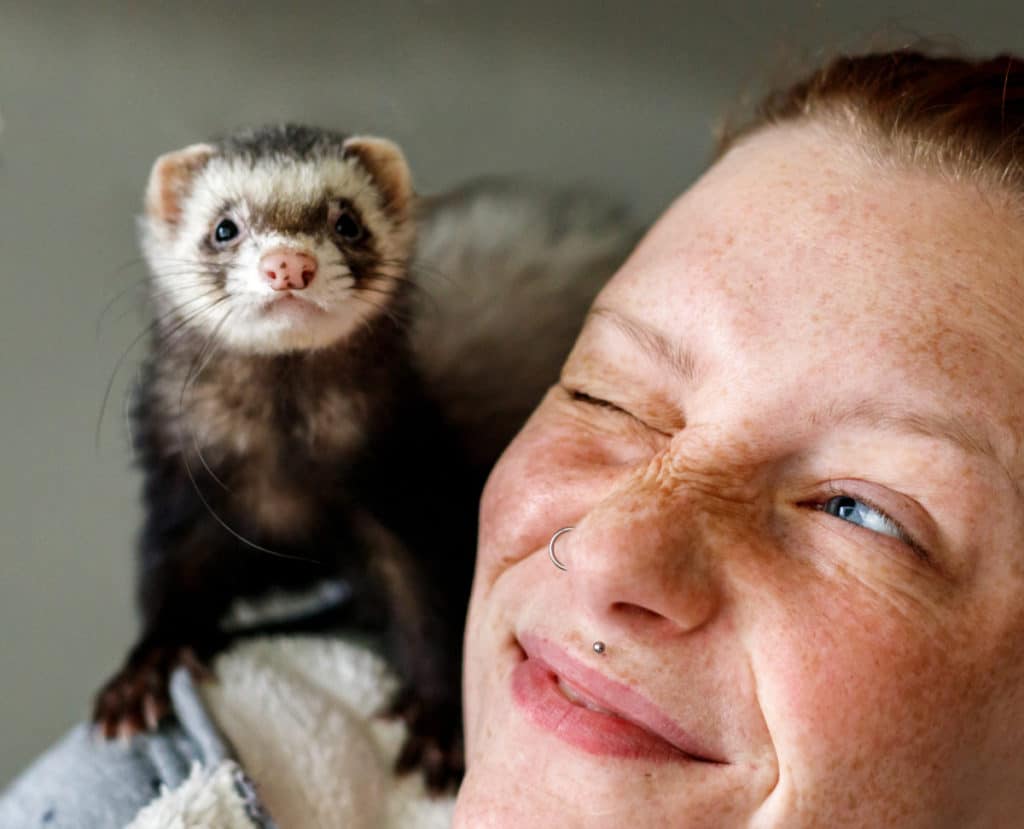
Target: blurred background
{"points": [[619, 95]]}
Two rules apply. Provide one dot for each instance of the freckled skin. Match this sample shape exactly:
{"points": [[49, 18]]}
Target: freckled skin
{"points": [[848, 679]]}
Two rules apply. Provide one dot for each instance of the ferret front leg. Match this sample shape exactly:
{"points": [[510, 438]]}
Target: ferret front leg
{"points": [[182, 597], [425, 611], [428, 655], [137, 697]]}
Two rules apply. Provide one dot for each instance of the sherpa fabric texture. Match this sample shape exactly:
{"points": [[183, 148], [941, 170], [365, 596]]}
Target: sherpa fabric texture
{"points": [[300, 715], [84, 782], [214, 799]]}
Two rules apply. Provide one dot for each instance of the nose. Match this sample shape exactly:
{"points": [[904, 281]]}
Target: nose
{"points": [[288, 269], [641, 560]]}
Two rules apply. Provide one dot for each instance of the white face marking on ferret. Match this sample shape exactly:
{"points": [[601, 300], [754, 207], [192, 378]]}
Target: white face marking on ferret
{"points": [[339, 245]]}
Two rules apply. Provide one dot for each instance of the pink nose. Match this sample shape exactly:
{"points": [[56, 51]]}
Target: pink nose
{"points": [[288, 269]]}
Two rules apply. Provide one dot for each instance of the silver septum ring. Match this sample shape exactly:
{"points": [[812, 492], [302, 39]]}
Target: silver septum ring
{"points": [[551, 548]]}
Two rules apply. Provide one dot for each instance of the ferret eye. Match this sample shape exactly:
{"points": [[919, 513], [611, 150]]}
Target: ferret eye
{"points": [[347, 225], [225, 231]]}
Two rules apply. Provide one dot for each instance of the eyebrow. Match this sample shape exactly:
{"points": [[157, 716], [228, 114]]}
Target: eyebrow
{"points": [[946, 427], [680, 361], [941, 426]]}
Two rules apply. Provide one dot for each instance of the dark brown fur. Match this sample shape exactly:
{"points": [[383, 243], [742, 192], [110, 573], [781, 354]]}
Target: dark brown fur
{"points": [[278, 471]]}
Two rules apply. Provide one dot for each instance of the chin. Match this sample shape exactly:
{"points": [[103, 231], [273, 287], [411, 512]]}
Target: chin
{"points": [[297, 326], [544, 792], [521, 775]]}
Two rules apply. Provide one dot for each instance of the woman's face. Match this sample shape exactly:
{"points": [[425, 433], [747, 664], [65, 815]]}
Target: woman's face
{"points": [[788, 441]]}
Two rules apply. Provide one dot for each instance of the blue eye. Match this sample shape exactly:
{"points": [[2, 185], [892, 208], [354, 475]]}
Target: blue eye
{"points": [[864, 515]]}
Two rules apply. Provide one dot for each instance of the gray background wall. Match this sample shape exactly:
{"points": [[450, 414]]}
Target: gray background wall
{"points": [[622, 95]]}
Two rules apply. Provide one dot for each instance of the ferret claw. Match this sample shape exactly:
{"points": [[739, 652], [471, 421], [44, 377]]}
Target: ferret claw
{"points": [[433, 744], [137, 698]]}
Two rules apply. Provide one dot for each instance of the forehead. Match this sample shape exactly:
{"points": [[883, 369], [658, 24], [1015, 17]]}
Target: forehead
{"points": [[277, 180], [800, 256]]}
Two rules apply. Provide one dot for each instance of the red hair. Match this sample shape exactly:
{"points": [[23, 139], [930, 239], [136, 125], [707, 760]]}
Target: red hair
{"points": [[963, 117]]}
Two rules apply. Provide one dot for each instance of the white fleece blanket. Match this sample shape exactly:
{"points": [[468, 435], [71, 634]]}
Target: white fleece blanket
{"points": [[300, 713]]}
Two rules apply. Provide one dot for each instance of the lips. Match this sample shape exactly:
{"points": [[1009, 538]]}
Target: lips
{"points": [[594, 713], [287, 302]]}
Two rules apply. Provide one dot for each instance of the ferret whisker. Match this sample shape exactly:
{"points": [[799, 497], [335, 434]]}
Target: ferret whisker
{"points": [[135, 260], [406, 312], [397, 281], [410, 270], [371, 290], [167, 334], [135, 286], [391, 286], [433, 271], [126, 414], [385, 310], [187, 270], [141, 284], [149, 329], [163, 295], [230, 529], [211, 344], [195, 484], [178, 260], [206, 466]]}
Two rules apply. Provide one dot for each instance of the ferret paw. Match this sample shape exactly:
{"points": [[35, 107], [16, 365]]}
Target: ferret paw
{"points": [[137, 698], [434, 742]]}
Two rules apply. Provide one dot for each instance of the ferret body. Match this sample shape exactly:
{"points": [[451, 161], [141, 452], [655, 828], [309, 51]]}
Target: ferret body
{"points": [[302, 417]]}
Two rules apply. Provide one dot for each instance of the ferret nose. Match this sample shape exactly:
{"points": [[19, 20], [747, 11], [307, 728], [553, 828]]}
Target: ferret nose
{"points": [[288, 269]]}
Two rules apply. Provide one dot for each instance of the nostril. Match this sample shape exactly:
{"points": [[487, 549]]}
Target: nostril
{"points": [[288, 269]]}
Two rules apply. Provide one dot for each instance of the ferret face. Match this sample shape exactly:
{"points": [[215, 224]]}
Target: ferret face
{"points": [[283, 240]]}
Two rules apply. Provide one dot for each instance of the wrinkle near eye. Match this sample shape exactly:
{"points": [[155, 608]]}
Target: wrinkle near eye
{"points": [[606, 432], [605, 384]]}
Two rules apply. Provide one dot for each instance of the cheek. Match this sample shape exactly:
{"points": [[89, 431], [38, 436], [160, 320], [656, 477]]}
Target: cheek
{"points": [[242, 274], [520, 501], [551, 475], [858, 699]]}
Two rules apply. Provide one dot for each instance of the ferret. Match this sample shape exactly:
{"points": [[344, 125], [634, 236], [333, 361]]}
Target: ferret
{"points": [[304, 414]]}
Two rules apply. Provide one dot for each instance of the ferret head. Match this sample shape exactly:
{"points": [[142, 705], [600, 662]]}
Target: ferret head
{"points": [[279, 239]]}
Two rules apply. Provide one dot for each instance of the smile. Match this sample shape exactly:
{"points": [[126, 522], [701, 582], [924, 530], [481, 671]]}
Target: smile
{"points": [[593, 713]]}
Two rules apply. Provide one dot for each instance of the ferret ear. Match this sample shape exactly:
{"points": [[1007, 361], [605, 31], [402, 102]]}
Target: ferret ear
{"points": [[386, 164], [171, 180]]}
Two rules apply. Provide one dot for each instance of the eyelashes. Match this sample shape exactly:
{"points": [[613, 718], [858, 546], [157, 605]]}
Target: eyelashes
{"points": [[640, 424], [582, 397], [852, 508]]}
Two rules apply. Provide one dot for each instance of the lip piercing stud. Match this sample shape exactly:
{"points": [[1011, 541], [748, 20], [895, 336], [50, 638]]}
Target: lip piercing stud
{"points": [[599, 647], [551, 548]]}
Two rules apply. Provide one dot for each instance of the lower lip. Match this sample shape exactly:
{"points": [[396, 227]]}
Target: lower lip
{"points": [[290, 304], [535, 690]]}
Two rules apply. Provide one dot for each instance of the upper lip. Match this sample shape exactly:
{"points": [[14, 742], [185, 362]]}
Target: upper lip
{"points": [[614, 696]]}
